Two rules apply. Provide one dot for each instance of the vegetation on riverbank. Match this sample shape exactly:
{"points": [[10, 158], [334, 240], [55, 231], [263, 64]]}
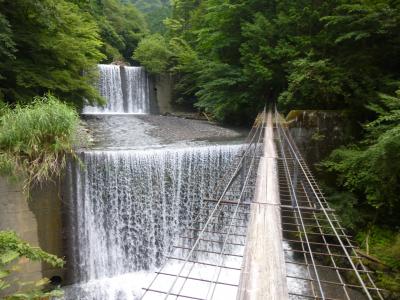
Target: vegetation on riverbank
{"points": [[36, 139], [12, 249], [369, 169]]}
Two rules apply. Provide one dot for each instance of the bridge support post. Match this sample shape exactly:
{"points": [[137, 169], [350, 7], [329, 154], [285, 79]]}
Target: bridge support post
{"points": [[264, 271]]}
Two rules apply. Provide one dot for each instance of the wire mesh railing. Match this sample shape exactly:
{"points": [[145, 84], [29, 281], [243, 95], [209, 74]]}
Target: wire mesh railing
{"points": [[314, 240], [321, 260], [206, 260]]}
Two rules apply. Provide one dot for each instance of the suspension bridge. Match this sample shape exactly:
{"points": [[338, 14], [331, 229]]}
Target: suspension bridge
{"points": [[268, 233]]}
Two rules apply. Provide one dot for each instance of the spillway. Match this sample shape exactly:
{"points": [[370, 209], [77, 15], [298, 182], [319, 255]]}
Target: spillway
{"points": [[127, 207], [126, 90]]}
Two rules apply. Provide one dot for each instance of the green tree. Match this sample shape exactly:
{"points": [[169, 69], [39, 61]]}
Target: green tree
{"points": [[121, 25], [155, 12], [56, 49], [370, 169], [251, 44], [153, 53], [7, 45], [303, 54], [316, 84]]}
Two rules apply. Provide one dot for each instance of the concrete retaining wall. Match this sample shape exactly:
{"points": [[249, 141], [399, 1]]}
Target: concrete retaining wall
{"points": [[317, 133], [37, 221], [163, 91]]}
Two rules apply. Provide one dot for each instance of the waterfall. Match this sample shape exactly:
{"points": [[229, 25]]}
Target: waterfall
{"points": [[137, 90], [127, 207], [126, 90]]}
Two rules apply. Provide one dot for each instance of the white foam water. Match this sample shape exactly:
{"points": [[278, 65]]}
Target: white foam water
{"points": [[127, 207], [126, 90], [137, 90]]}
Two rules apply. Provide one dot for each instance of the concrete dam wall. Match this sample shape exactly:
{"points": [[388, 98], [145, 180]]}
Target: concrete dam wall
{"points": [[37, 221]]}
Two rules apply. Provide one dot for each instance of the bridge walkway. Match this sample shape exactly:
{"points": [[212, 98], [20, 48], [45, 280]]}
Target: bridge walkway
{"points": [[263, 236]]}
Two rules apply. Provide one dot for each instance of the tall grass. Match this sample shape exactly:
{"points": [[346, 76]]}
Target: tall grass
{"points": [[35, 140]]}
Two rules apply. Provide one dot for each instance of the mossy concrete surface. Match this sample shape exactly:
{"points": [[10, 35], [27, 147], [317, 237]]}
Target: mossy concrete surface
{"points": [[318, 132], [163, 86]]}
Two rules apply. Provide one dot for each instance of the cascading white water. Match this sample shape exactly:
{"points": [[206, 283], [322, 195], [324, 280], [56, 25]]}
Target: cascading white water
{"points": [[137, 90], [126, 90], [110, 88], [127, 207]]}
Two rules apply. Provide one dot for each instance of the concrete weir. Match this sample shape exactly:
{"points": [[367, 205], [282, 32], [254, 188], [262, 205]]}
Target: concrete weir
{"points": [[264, 273]]}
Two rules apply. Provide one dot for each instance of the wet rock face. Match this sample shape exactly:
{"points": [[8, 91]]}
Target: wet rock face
{"points": [[317, 133]]}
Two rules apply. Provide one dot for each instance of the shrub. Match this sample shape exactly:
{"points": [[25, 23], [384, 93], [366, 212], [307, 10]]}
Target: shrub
{"points": [[35, 140]]}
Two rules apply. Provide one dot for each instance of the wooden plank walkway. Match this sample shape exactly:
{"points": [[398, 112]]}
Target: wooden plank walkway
{"points": [[264, 271]]}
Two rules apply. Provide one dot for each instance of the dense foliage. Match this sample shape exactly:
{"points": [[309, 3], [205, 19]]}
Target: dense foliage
{"points": [[153, 53], [369, 169], [35, 139], [12, 248], [121, 26], [303, 54], [49, 46], [155, 12]]}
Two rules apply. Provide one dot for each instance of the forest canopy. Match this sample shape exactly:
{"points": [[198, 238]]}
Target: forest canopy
{"points": [[301, 54]]}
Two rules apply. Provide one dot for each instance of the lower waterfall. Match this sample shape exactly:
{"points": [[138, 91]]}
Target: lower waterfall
{"points": [[127, 207]]}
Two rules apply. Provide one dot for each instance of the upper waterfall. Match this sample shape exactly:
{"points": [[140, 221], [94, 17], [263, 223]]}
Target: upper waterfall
{"points": [[126, 89]]}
